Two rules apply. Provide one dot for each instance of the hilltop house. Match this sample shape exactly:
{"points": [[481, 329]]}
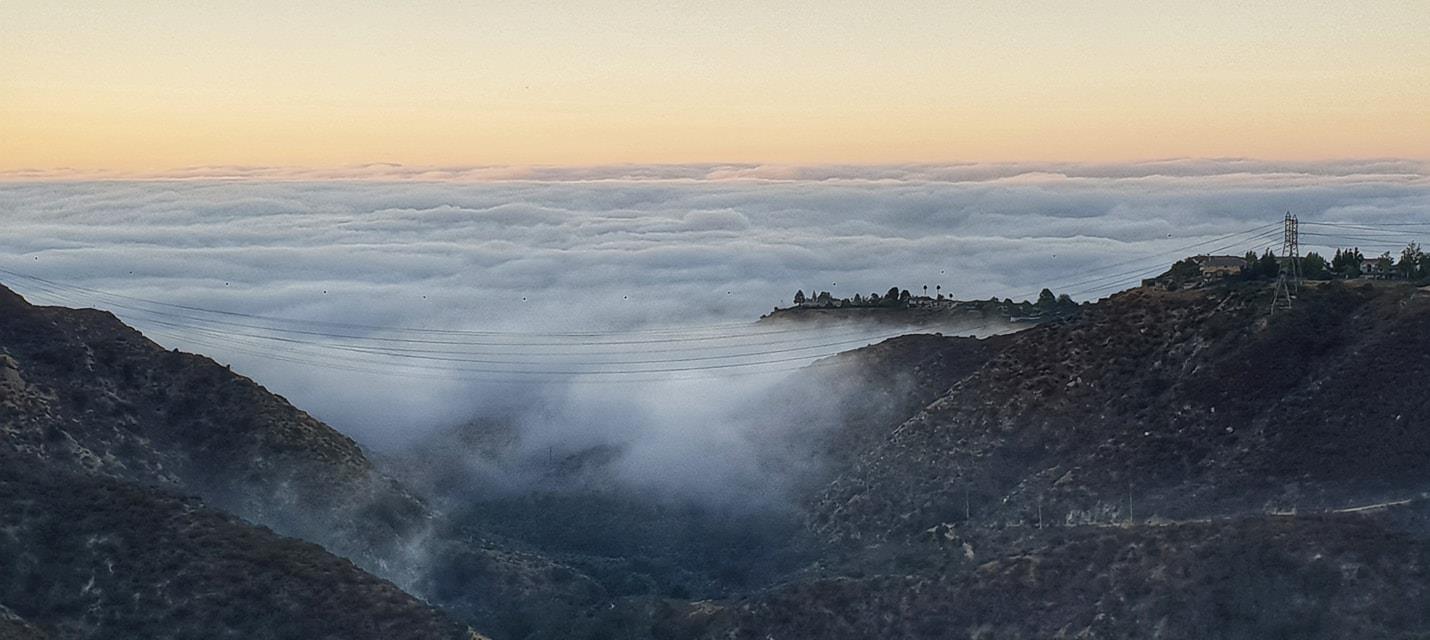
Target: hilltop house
{"points": [[925, 302], [1382, 268], [1196, 270], [1216, 267]]}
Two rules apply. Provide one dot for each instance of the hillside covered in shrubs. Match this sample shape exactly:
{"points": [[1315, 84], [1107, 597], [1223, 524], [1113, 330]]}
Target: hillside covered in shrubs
{"points": [[1162, 463]]}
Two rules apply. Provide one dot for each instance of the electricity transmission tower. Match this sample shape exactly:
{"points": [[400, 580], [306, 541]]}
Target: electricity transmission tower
{"points": [[1288, 279]]}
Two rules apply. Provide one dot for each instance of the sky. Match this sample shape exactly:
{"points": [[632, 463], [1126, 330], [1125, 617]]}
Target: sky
{"points": [[405, 216], [151, 86]]}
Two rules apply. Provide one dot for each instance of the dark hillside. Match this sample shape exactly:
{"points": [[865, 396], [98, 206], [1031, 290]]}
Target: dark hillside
{"points": [[1262, 577], [1166, 464], [13, 627], [1185, 404], [89, 557], [81, 393], [80, 389], [876, 388]]}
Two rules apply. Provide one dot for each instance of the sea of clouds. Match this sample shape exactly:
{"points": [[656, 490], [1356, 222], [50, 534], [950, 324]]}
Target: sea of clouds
{"points": [[618, 249]]}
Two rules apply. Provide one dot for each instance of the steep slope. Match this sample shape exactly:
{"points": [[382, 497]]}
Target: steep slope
{"points": [[1253, 578], [1164, 405], [13, 627], [860, 396], [91, 557], [1134, 471], [1109, 476], [80, 389], [82, 393], [1165, 465]]}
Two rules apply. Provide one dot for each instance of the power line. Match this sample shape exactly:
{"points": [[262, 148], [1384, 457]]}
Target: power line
{"points": [[1372, 226], [209, 327], [378, 338], [1121, 278], [1256, 231], [369, 366], [426, 373], [1339, 236], [148, 314], [416, 330], [230, 338], [449, 357], [685, 331]]}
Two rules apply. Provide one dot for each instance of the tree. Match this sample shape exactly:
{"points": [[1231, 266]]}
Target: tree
{"points": [[1046, 298], [1347, 263], [799, 297], [1412, 262], [904, 295], [893, 294], [1314, 267], [1267, 266], [1184, 271]]}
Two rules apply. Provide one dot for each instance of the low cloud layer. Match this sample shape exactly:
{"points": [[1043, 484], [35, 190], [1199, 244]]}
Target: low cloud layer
{"points": [[627, 248], [958, 172]]}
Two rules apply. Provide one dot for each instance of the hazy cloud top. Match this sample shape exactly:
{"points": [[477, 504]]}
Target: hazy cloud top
{"points": [[561, 249], [916, 172]]}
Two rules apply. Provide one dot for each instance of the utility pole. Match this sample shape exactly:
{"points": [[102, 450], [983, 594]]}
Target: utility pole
{"points": [[1291, 248], [1288, 279]]}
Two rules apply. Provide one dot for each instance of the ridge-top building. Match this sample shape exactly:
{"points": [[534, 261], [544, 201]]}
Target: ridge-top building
{"points": [[1213, 267]]}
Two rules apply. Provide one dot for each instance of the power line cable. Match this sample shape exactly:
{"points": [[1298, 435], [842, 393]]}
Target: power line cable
{"points": [[1387, 226], [1159, 269], [481, 333], [1119, 279], [327, 334], [228, 337], [1255, 232], [449, 332]]}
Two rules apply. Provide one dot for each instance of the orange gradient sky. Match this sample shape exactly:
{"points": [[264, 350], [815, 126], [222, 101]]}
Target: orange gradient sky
{"points": [[138, 86]]}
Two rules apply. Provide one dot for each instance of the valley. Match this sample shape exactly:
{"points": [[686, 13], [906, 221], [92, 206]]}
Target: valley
{"points": [[1171, 464]]}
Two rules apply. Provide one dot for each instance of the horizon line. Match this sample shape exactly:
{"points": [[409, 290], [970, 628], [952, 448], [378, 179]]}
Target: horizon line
{"points": [[920, 171]]}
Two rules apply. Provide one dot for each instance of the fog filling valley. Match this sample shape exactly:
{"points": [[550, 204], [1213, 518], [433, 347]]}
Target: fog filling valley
{"points": [[610, 312]]}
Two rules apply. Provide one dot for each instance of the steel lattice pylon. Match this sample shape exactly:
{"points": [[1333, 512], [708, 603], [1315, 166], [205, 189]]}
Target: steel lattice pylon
{"points": [[1288, 280]]}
